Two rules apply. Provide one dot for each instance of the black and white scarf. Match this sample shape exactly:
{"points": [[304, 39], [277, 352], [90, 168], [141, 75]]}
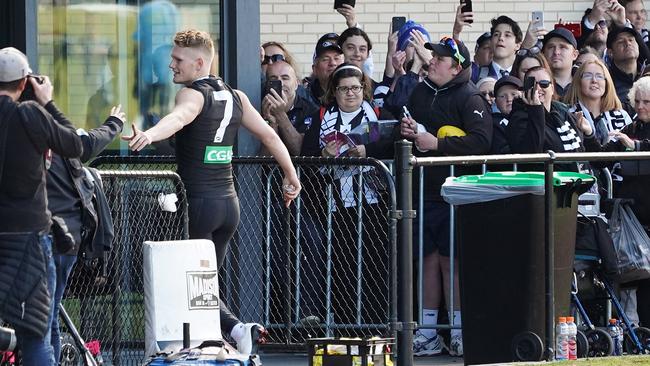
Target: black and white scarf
{"points": [[332, 121], [607, 122]]}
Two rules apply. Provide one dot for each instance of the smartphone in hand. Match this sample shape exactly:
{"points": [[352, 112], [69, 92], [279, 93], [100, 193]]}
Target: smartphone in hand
{"points": [[275, 85], [398, 22], [339, 3], [466, 7], [529, 83], [538, 19]]}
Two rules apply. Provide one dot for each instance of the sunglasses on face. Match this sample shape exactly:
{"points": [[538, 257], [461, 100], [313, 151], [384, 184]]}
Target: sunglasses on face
{"points": [[488, 94], [528, 52], [602, 23], [544, 83], [593, 76], [272, 58]]}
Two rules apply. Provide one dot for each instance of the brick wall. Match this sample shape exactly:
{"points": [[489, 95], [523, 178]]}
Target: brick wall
{"points": [[299, 23]]}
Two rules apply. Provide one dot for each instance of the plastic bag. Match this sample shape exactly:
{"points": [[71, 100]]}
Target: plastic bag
{"points": [[631, 243], [456, 193]]}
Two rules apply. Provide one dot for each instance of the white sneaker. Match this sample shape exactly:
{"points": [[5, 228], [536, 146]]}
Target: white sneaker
{"points": [[456, 346], [423, 346], [254, 335]]}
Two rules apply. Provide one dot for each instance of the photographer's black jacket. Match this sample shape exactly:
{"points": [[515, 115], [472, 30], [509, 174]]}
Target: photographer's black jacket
{"points": [[31, 132], [69, 191], [457, 103], [27, 133]]}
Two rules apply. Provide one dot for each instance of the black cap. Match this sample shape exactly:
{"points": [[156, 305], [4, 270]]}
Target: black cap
{"points": [[483, 37], [507, 80], [563, 33], [325, 43], [446, 48], [614, 32]]}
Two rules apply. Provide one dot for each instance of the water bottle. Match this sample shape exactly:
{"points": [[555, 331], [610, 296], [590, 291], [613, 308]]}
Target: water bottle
{"points": [[572, 338], [561, 333], [617, 336]]}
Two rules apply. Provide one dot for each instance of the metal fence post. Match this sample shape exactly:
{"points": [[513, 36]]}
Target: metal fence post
{"points": [[404, 215], [550, 258]]}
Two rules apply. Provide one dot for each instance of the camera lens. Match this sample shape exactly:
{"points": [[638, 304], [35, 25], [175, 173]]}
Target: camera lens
{"points": [[7, 339]]}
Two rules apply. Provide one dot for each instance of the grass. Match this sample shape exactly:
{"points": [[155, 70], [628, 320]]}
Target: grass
{"points": [[604, 361]]}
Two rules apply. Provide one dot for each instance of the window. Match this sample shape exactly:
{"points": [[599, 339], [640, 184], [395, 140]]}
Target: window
{"points": [[103, 53]]}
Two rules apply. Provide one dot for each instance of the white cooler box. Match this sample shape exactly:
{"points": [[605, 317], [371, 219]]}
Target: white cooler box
{"points": [[180, 286]]}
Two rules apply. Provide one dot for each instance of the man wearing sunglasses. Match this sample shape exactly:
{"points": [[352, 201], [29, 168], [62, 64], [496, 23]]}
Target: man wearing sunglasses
{"points": [[595, 26], [445, 97]]}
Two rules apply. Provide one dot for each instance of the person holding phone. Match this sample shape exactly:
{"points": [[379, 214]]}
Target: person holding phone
{"points": [[288, 113], [538, 122], [410, 62], [444, 97]]}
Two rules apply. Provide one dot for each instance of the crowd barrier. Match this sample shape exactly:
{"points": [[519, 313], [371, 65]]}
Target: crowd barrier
{"points": [[324, 267]]}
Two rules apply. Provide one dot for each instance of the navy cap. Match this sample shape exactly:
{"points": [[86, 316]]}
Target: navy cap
{"points": [[616, 31], [508, 80], [563, 33], [325, 43]]}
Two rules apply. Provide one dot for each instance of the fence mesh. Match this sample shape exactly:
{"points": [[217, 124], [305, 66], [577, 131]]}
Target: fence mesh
{"points": [[320, 268], [105, 300]]}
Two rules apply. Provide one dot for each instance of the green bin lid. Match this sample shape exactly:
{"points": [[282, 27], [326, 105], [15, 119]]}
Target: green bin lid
{"points": [[523, 178]]}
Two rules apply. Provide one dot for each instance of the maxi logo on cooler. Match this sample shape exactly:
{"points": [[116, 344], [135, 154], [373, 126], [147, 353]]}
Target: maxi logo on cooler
{"points": [[202, 290], [218, 155]]}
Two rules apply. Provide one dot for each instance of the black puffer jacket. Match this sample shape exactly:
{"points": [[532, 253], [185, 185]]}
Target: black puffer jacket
{"points": [[23, 289]]}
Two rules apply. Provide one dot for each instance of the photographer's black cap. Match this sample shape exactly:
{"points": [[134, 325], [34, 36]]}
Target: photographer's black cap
{"points": [[563, 33], [616, 31], [13, 65], [325, 43]]}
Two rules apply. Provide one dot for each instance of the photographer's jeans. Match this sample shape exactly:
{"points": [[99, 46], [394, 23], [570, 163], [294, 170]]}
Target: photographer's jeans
{"points": [[37, 351], [63, 264]]}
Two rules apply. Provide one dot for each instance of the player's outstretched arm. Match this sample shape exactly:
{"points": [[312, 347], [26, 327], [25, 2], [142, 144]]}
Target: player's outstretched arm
{"points": [[189, 103]]}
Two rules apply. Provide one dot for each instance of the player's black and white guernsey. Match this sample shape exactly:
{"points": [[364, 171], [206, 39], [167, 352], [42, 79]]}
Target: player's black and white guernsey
{"points": [[204, 147]]}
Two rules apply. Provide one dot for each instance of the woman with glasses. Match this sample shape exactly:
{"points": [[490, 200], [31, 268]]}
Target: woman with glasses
{"points": [[539, 122], [593, 95], [355, 190], [527, 59]]}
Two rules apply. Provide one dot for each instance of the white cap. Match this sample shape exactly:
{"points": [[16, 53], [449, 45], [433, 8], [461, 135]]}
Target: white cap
{"points": [[13, 65]]}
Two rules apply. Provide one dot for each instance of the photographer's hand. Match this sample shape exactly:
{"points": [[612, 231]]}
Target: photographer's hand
{"points": [[42, 92]]}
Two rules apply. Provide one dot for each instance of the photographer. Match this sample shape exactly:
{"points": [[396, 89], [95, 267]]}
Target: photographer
{"points": [[77, 221], [25, 247]]}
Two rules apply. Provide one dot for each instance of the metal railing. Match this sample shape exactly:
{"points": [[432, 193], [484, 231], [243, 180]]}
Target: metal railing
{"points": [[316, 269], [405, 162]]}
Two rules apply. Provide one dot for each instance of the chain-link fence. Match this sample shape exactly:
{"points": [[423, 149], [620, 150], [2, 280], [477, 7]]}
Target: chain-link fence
{"points": [[105, 297], [323, 267]]}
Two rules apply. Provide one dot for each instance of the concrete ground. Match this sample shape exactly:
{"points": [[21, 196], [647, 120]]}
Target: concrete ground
{"points": [[302, 360]]}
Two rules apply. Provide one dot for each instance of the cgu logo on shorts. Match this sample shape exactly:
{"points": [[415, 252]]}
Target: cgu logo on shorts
{"points": [[202, 290], [218, 155]]}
